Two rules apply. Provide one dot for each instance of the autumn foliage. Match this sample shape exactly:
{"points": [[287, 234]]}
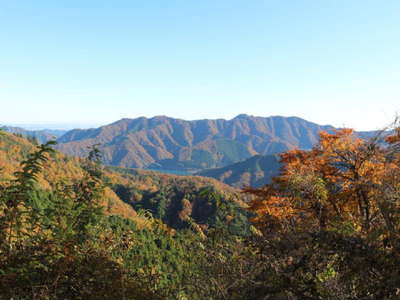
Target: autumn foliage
{"points": [[327, 228], [330, 222], [343, 183]]}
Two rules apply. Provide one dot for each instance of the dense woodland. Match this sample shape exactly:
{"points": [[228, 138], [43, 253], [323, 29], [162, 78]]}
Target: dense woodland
{"points": [[328, 227]]}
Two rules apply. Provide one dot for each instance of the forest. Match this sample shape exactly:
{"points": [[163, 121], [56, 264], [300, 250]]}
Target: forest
{"points": [[327, 227]]}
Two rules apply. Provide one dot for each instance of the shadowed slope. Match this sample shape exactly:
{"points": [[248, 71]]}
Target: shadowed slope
{"points": [[255, 171]]}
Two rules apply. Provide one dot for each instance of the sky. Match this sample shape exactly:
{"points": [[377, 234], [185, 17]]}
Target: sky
{"points": [[91, 62]]}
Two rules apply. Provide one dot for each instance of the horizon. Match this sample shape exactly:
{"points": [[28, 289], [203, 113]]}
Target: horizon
{"points": [[85, 126], [384, 122], [331, 62], [55, 126]]}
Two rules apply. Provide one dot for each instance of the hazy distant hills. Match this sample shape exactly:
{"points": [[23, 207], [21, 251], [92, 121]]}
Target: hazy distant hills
{"points": [[42, 136], [166, 143], [255, 171]]}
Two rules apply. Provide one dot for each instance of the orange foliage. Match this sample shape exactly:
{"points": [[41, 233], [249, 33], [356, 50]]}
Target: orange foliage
{"points": [[342, 179], [395, 138]]}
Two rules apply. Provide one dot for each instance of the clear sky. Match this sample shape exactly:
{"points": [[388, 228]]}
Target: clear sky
{"points": [[91, 61]]}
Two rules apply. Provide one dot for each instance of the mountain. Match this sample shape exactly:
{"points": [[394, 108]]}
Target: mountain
{"points": [[166, 143], [42, 136], [255, 171]]}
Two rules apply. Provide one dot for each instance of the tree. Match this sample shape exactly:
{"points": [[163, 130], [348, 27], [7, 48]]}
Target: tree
{"points": [[331, 220], [340, 181]]}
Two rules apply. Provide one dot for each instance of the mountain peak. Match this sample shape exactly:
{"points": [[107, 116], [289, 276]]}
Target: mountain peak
{"points": [[243, 116], [160, 117]]}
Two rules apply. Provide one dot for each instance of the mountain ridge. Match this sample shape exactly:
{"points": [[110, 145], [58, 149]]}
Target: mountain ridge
{"points": [[255, 171], [169, 143], [42, 135]]}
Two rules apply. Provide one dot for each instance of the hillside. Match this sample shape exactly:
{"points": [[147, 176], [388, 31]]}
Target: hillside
{"points": [[167, 143], [181, 201], [255, 171], [59, 168], [129, 190]]}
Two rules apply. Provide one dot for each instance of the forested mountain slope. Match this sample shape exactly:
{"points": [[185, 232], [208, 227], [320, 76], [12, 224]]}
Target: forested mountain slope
{"points": [[176, 200], [59, 168], [310, 238], [255, 171], [168, 143], [183, 201]]}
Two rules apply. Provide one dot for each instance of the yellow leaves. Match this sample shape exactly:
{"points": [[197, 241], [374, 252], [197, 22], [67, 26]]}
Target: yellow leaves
{"points": [[277, 207], [373, 172], [186, 211], [339, 140]]}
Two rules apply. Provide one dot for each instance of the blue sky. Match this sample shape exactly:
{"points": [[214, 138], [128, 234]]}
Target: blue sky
{"points": [[93, 62]]}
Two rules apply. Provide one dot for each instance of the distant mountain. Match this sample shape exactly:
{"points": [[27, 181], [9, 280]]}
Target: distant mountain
{"points": [[255, 171], [42, 136], [166, 143]]}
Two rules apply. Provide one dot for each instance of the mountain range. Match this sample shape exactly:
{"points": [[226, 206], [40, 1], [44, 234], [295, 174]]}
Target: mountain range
{"points": [[42, 136], [174, 144], [239, 152]]}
